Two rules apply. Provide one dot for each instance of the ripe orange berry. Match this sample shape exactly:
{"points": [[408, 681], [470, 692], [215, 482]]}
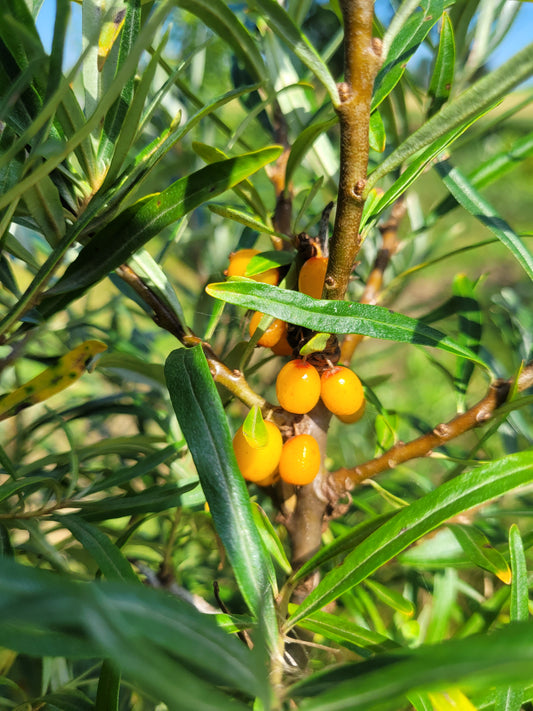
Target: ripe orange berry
{"points": [[298, 386], [341, 391], [312, 275], [273, 333], [300, 460], [355, 416], [258, 463], [283, 347], [238, 261]]}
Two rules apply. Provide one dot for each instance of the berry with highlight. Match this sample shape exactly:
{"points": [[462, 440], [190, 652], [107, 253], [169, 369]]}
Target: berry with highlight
{"points": [[341, 391], [312, 276], [300, 460], [298, 386]]}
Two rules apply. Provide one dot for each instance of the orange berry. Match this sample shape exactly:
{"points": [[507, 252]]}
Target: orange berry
{"points": [[283, 347], [258, 463], [341, 391], [298, 386], [355, 416], [273, 333], [312, 275], [300, 460], [238, 262]]}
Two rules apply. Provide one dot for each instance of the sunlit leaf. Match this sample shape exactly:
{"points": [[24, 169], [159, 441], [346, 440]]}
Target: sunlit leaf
{"points": [[443, 71], [411, 523], [334, 316], [203, 422], [467, 196]]}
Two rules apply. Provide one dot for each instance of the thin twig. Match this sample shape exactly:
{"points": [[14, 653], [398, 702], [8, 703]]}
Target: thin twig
{"points": [[478, 415], [164, 316]]}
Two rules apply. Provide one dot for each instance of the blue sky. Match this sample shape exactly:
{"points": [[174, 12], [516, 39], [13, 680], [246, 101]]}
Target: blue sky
{"points": [[520, 34]]}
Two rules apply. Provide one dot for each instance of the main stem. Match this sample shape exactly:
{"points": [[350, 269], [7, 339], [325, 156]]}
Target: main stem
{"points": [[362, 57]]}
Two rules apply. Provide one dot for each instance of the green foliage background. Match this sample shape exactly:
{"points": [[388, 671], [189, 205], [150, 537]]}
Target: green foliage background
{"points": [[151, 158]]}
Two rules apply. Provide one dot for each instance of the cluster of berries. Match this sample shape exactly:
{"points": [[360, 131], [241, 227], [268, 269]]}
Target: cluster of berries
{"points": [[299, 387]]}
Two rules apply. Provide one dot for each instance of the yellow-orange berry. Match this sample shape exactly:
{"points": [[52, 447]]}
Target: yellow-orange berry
{"points": [[283, 347], [312, 275], [258, 463], [238, 261], [298, 386], [272, 334], [300, 460], [341, 391], [355, 416]]}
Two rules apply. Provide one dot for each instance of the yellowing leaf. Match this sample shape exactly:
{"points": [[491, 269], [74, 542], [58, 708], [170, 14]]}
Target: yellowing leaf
{"points": [[108, 35], [52, 380], [451, 700]]}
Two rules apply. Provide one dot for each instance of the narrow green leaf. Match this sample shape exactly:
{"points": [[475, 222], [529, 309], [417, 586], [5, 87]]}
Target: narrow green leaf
{"points": [[147, 465], [304, 143], [411, 523], [108, 688], [477, 662], [511, 697], [31, 483], [245, 190], [315, 344], [115, 118], [44, 205], [500, 164], [156, 279], [154, 498], [443, 71], [377, 138], [477, 547], [345, 632], [270, 538], [391, 597], [470, 327], [467, 196], [415, 169], [342, 544], [334, 316], [127, 233], [474, 100], [218, 16], [264, 261], [130, 125], [286, 29], [403, 46], [163, 645], [108, 557], [242, 218], [253, 428], [519, 585], [203, 422]]}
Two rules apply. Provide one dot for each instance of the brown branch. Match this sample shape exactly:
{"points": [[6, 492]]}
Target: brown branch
{"points": [[374, 284], [478, 415], [164, 316], [361, 61]]}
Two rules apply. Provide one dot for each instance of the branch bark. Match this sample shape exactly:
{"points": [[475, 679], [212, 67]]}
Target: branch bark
{"points": [[362, 58], [344, 479]]}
